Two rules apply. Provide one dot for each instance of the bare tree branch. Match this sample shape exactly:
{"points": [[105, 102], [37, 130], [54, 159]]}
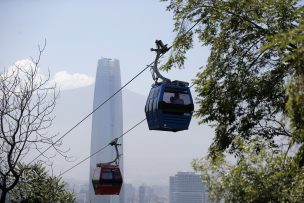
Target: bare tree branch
{"points": [[26, 106]]}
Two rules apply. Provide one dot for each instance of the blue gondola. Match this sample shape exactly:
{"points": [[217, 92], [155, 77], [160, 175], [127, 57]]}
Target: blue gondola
{"points": [[169, 106]]}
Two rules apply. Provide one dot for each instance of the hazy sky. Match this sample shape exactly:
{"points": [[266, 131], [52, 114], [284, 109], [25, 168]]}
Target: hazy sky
{"points": [[78, 33]]}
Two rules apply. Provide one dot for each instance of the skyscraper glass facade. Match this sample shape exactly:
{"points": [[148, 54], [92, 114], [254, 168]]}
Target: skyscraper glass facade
{"points": [[186, 187], [107, 121]]}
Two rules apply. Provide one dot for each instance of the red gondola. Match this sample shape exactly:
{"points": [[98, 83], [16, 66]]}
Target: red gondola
{"points": [[107, 179]]}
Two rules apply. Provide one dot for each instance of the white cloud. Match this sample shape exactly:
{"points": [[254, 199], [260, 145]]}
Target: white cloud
{"points": [[24, 71], [25, 66], [65, 80]]}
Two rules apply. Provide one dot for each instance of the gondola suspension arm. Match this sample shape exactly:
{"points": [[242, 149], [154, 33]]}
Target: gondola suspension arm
{"points": [[116, 160], [160, 49]]}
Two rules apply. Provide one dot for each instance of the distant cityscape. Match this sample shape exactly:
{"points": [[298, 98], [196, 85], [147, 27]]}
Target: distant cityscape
{"points": [[183, 187]]}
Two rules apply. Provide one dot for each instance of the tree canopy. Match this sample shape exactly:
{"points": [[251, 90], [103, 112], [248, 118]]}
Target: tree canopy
{"points": [[36, 185], [267, 176], [256, 50], [251, 91]]}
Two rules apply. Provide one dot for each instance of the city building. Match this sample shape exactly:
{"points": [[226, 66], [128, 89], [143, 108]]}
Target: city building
{"points": [[129, 192], [152, 194], [186, 187], [107, 122], [142, 194]]}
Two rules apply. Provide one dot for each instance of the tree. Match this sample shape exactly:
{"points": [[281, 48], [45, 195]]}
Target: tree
{"points": [[37, 186], [265, 175], [256, 48], [251, 91], [27, 101]]}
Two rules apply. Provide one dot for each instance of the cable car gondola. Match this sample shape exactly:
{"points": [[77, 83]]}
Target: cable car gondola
{"points": [[107, 179], [169, 105]]}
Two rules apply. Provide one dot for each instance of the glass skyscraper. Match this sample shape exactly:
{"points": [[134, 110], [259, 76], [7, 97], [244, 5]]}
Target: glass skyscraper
{"points": [[107, 123], [186, 187]]}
